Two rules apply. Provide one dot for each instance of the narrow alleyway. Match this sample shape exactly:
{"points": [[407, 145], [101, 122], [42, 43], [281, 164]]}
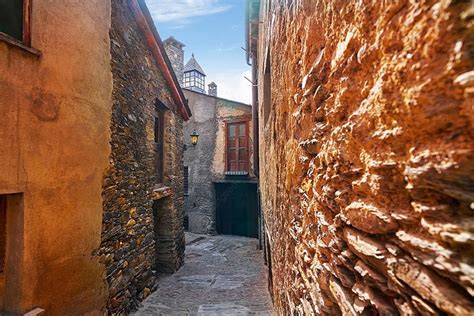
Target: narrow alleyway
{"points": [[222, 275]]}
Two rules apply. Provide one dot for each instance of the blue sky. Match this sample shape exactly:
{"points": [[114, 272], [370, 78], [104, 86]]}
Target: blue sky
{"points": [[214, 30]]}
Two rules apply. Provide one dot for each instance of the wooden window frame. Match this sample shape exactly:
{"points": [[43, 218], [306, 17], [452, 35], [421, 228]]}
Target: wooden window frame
{"points": [[26, 31], [25, 43], [27, 22], [236, 122]]}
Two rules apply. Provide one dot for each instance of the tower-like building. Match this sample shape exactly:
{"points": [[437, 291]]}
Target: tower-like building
{"points": [[175, 52], [212, 89], [194, 76]]}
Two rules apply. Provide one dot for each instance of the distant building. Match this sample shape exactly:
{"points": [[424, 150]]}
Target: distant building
{"points": [[175, 54], [212, 89], [194, 76], [221, 195]]}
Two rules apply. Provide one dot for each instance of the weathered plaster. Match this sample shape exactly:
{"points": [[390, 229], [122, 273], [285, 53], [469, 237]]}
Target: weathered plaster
{"points": [[200, 204], [54, 131]]}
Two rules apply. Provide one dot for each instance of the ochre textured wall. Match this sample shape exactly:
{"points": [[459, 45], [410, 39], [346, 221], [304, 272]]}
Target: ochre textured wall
{"points": [[54, 148], [367, 169]]}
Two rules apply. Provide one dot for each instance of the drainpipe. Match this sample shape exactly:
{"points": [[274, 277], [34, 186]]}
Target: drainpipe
{"points": [[255, 117], [256, 147]]}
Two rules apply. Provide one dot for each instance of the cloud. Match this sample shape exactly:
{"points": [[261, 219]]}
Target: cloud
{"points": [[233, 85], [181, 12]]}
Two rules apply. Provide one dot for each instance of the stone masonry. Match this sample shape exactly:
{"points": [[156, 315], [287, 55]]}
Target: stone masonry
{"points": [[200, 203], [142, 223], [175, 52], [367, 155]]}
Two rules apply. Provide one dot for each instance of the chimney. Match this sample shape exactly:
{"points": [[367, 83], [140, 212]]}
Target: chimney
{"points": [[212, 89], [175, 52]]}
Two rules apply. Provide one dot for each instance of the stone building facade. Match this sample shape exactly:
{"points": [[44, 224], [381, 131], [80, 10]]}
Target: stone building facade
{"points": [[206, 162], [366, 154], [207, 169], [143, 188], [83, 223], [175, 52]]}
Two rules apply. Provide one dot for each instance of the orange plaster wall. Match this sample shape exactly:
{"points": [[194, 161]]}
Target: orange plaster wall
{"points": [[54, 136]]}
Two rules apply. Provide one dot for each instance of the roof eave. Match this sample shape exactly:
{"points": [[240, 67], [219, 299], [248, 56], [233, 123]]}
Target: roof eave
{"points": [[147, 26]]}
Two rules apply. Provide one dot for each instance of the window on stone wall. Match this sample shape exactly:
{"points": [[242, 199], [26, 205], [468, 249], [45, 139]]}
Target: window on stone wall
{"points": [[15, 19], [3, 231], [160, 111], [186, 179], [237, 147]]}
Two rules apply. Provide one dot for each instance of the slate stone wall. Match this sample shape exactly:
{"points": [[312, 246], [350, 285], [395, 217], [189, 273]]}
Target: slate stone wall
{"points": [[175, 54], [367, 157], [133, 245]]}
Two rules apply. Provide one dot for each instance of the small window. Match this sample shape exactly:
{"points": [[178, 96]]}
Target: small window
{"points": [[186, 179], [15, 19], [159, 142], [237, 147]]}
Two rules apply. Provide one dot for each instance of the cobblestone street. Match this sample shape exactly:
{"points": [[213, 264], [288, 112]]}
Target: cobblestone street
{"points": [[222, 275]]}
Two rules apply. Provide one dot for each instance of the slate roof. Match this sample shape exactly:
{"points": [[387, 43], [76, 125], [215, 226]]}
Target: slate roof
{"points": [[192, 64]]}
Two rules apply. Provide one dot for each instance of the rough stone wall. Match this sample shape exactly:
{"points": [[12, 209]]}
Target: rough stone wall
{"points": [[175, 54], [367, 166], [54, 149], [134, 241], [169, 201], [200, 202]]}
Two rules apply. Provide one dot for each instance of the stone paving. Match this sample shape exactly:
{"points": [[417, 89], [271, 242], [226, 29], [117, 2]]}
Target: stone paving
{"points": [[222, 275]]}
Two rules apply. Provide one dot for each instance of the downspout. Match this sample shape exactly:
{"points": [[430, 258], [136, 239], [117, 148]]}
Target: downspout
{"points": [[251, 55], [256, 147]]}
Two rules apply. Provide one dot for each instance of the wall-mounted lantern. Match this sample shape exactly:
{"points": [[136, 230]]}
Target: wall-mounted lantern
{"points": [[194, 138]]}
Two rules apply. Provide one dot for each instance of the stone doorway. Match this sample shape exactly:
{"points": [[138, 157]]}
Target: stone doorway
{"points": [[169, 244]]}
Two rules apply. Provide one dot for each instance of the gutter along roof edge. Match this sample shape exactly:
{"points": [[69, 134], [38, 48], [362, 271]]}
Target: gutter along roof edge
{"points": [[211, 96], [145, 22]]}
